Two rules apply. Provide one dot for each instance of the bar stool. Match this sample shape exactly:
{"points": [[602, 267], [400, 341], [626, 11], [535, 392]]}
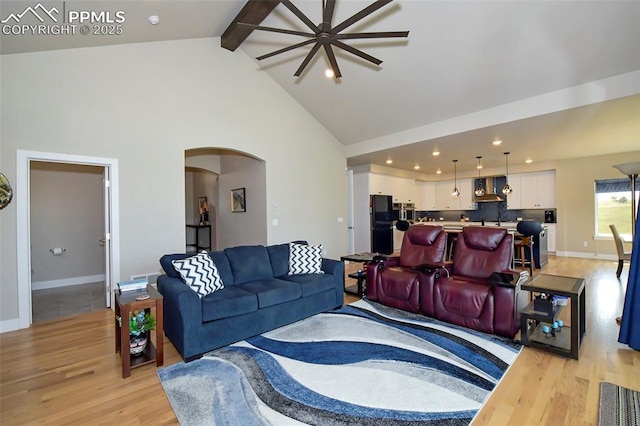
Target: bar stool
{"points": [[527, 229]]}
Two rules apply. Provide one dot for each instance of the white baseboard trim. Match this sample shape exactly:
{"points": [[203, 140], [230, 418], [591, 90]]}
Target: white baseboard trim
{"points": [[64, 282], [9, 325], [583, 255]]}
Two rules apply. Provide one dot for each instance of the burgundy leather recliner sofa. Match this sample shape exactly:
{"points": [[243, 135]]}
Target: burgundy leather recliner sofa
{"points": [[395, 282], [478, 290]]}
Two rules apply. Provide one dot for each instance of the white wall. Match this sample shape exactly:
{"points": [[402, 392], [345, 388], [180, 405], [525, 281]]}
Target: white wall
{"points": [[145, 104]]}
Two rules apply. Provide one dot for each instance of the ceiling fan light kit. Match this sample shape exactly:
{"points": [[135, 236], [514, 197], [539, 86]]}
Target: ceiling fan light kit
{"points": [[327, 36]]}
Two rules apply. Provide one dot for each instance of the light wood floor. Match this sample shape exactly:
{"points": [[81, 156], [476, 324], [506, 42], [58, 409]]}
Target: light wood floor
{"points": [[67, 372]]}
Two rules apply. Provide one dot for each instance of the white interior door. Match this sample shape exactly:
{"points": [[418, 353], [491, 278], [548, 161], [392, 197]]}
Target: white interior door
{"points": [[350, 215], [107, 237]]}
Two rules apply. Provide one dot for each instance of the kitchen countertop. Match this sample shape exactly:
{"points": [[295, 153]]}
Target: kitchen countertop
{"points": [[459, 225]]}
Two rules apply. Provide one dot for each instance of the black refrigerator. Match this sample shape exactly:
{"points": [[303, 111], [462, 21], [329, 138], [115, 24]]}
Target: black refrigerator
{"points": [[381, 211]]}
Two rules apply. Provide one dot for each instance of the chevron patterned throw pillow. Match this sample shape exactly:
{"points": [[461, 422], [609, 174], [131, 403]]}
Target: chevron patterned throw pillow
{"points": [[304, 259], [199, 273]]}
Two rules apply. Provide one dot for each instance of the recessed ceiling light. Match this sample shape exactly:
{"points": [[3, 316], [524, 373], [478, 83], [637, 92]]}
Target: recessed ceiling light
{"points": [[436, 152], [154, 19], [389, 161], [416, 167], [497, 142], [439, 172], [329, 73], [528, 161]]}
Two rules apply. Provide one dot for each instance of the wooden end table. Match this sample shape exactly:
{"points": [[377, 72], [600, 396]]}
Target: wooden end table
{"points": [[125, 304], [361, 277], [568, 341]]}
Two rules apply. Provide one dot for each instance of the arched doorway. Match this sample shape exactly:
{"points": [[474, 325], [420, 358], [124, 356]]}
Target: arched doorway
{"points": [[214, 173]]}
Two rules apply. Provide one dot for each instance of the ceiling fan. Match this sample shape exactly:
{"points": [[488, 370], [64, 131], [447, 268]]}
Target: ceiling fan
{"points": [[324, 35]]}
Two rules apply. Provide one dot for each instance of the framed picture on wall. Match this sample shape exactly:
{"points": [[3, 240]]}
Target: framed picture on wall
{"points": [[238, 200]]}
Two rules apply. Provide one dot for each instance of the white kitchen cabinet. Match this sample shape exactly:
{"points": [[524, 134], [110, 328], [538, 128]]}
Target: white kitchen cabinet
{"points": [[514, 200], [430, 195], [444, 200], [403, 190], [551, 237], [380, 185], [466, 194], [425, 195], [538, 190]]}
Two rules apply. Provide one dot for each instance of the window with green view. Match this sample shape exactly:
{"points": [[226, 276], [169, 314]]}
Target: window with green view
{"points": [[613, 205]]}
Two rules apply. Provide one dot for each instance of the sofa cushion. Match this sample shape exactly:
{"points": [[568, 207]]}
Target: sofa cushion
{"points": [[200, 273], [228, 302], [463, 298], [249, 263], [305, 259], [312, 283], [218, 257], [273, 291], [279, 256]]}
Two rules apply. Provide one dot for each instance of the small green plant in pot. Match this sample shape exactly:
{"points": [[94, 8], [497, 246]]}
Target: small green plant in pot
{"points": [[140, 322]]}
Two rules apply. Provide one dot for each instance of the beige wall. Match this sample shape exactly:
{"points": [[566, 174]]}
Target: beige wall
{"points": [[144, 105], [249, 227], [576, 206]]}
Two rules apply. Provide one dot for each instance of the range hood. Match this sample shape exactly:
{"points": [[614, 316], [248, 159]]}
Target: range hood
{"points": [[491, 194]]}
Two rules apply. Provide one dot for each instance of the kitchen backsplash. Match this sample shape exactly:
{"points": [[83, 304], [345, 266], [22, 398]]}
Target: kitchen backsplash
{"points": [[487, 211]]}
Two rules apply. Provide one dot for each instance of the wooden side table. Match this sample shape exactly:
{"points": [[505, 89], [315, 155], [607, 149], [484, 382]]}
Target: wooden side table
{"points": [[363, 258], [568, 341], [126, 303]]}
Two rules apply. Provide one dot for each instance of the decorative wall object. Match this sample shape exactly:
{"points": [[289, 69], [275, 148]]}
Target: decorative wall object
{"points": [[203, 210], [238, 200], [6, 193]]}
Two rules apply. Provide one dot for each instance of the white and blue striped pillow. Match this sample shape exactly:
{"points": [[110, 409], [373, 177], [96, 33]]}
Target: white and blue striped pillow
{"points": [[199, 273], [305, 259]]}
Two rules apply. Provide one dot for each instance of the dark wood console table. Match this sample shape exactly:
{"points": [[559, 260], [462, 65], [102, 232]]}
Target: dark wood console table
{"points": [[197, 243], [361, 277]]}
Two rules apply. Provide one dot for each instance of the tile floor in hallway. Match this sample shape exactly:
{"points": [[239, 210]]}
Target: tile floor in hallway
{"points": [[60, 302]]}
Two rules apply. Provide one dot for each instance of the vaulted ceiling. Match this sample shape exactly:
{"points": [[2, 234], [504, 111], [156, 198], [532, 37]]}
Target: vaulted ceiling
{"points": [[552, 79]]}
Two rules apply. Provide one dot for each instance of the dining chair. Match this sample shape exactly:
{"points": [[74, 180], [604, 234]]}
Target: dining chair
{"points": [[622, 254]]}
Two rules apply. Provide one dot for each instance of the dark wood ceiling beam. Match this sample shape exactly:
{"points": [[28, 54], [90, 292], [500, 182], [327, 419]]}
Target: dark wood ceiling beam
{"points": [[253, 12]]}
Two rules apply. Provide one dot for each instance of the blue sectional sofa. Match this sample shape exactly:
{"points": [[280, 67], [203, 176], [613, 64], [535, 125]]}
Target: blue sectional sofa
{"points": [[258, 296]]}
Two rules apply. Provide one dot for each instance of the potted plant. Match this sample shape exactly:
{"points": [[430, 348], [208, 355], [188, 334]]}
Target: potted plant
{"points": [[140, 323]]}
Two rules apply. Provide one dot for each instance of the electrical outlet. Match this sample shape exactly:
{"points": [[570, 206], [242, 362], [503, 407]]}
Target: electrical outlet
{"points": [[585, 244]]}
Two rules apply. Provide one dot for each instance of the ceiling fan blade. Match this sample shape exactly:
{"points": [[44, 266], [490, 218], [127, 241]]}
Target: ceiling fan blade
{"points": [[358, 16], [306, 61], [356, 52], [385, 34], [275, 30], [327, 14], [286, 49], [332, 61], [301, 16]]}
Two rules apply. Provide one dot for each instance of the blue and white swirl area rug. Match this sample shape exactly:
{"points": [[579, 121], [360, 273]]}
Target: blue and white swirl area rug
{"points": [[364, 364]]}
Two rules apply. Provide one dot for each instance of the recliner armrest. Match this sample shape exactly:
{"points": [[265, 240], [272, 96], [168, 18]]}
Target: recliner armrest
{"points": [[508, 278], [384, 261]]}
